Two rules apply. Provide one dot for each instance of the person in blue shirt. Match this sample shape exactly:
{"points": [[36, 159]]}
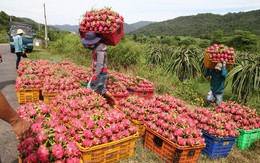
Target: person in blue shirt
{"points": [[217, 83], [18, 45]]}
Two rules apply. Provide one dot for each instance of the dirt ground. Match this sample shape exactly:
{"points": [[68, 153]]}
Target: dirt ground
{"points": [[8, 141]]}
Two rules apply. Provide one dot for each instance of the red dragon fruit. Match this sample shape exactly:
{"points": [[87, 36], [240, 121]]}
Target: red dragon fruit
{"points": [[57, 151], [43, 153]]}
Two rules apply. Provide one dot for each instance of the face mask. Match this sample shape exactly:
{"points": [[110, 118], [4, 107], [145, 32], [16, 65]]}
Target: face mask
{"points": [[90, 46]]}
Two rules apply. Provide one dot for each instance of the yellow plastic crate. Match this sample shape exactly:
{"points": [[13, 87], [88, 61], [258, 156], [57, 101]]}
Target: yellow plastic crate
{"points": [[110, 152], [48, 97], [28, 95], [20, 160], [138, 124]]}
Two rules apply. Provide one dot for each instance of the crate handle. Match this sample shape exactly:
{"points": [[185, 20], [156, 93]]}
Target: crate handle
{"points": [[158, 141], [144, 93], [177, 156], [226, 143], [191, 153], [119, 30]]}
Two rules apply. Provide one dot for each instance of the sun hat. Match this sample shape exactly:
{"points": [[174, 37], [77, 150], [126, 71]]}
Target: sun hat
{"points": [[19, 31], [90, 38], [218, 66]]}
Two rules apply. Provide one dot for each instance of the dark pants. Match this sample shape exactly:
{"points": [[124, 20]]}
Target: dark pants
{"points": [[19, 55]]}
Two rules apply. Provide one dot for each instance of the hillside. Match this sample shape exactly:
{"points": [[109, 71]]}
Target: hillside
{"points": [[127, 27], [202, 25], [5, 19], [67, 27]]}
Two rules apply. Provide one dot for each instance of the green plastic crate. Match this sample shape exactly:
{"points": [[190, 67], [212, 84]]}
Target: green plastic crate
{"points": [[247, 138]]}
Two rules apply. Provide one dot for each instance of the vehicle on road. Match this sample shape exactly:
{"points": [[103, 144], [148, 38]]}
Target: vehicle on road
{"points": [[27, 36]]}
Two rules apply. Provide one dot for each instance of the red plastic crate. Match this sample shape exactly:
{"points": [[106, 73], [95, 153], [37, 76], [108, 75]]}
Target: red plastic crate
{"points": [[111, 38], [148, 93], [169, 151], [118, 97], [121, 96]]}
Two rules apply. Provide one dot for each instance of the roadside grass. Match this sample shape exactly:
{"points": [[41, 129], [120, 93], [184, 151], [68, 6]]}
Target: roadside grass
{"points": [[142, 154], [44, 54], [168, 84]]}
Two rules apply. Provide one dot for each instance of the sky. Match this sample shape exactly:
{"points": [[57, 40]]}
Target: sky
{"points": [[60, 12]]}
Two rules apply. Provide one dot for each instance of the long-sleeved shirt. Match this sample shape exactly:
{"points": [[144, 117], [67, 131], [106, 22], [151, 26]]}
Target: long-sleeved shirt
{"points": [[99, 60], [18, 44], [217, 82]]}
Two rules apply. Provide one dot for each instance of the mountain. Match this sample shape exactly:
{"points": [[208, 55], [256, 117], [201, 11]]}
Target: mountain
{"points": [[5, 20], [67, 27], [203, 25], [200, 25], [141, 24], [127, 27]]}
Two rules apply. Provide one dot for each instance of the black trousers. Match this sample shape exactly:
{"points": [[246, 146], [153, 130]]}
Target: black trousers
{"points": [[19, 55]]}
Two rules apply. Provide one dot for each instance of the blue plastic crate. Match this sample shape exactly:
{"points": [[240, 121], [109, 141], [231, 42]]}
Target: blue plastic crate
{"points": [[217, 147]]}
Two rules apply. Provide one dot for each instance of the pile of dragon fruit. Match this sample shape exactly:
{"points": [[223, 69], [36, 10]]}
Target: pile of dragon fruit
{"points": [[80, 118], [76, 118], [49, 141], [55, 77], [104, 20]]}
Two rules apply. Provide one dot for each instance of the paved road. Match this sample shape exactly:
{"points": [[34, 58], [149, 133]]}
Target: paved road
{"points": [[8, 142]]}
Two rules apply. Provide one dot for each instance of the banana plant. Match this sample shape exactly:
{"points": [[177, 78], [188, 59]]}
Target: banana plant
{"points": [[184, 63]]}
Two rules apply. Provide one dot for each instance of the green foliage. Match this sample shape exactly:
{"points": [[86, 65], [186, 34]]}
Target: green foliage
{"points": [[187, 42], [156, 55], [69, 46], [125, 54], [4, 38], [204, 44], [55, 35], [204, 25], [4, 21], [217, 37], [187, 91], [167, 40], [184, 63], [245, 77], [244, 41]]}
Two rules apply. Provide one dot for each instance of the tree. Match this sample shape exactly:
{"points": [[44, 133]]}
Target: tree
{"points": [[243, 41], [217, 37]]}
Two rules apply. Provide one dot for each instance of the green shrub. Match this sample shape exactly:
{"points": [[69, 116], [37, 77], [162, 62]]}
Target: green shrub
{"points": [[71, 48], [126, 54]]}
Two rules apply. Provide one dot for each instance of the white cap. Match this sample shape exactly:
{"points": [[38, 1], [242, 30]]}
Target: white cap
{"points": [[19, 31]]}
